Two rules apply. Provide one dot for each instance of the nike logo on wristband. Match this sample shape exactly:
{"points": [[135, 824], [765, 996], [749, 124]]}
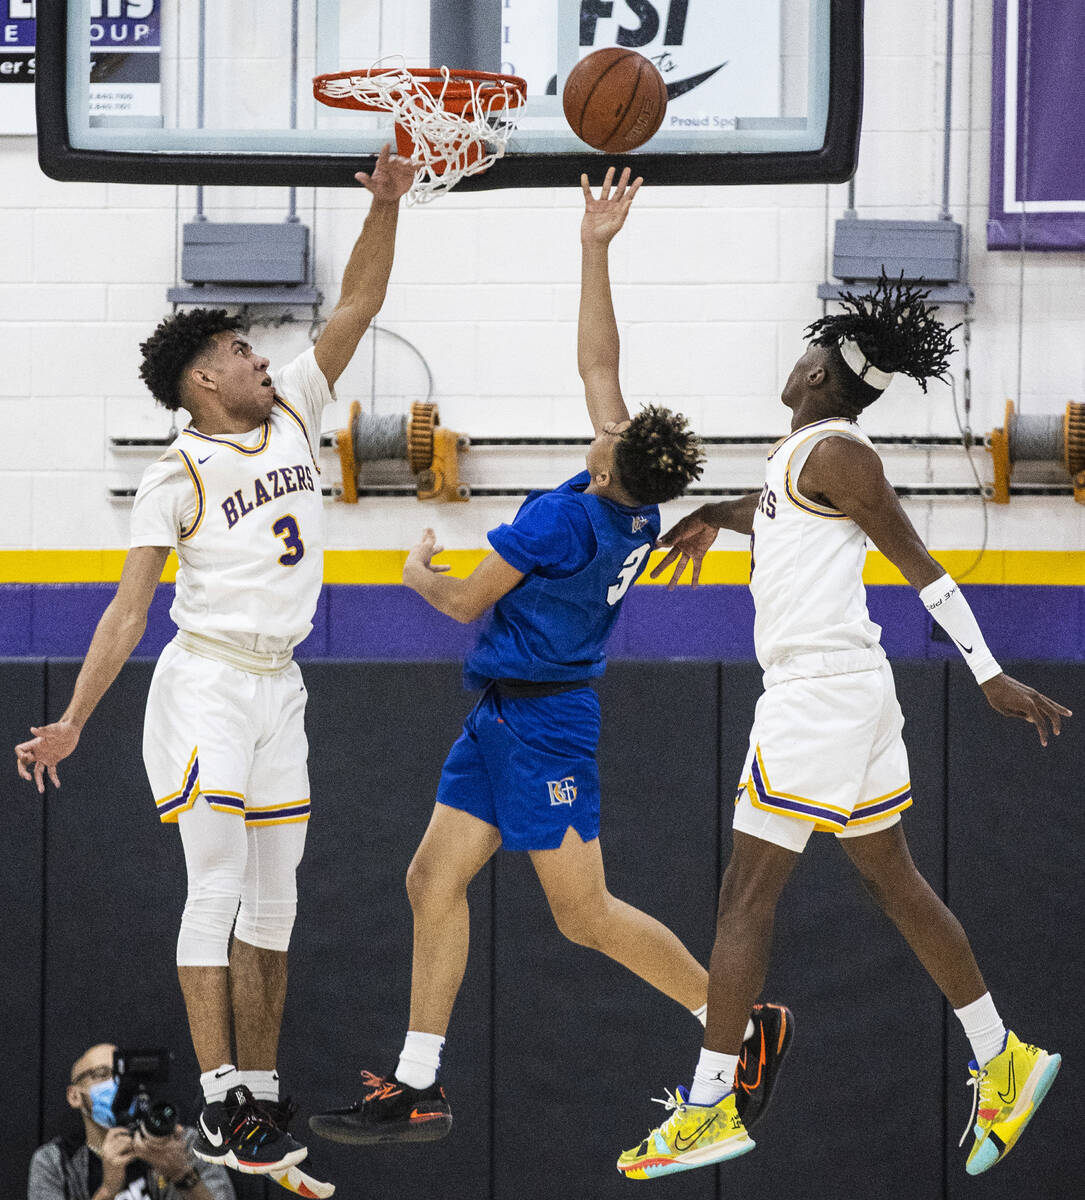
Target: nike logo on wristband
{"points": [[966, 649], [216, 1138]]}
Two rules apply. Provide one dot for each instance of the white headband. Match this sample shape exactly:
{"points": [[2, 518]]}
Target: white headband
{"points": [[862, 366]]}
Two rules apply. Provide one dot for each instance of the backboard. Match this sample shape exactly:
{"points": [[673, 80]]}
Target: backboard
{"points": [[220, 91]]}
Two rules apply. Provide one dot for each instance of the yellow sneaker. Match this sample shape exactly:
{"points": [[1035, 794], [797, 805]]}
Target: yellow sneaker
{"points": [[693, 1136], [1008, 1092]]}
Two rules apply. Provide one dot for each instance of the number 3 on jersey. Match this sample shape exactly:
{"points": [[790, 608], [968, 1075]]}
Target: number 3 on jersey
{"points": [[627, 574], [287, 528]]}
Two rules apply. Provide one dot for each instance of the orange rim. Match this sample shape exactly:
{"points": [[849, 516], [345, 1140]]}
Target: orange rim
{"points": [[460, 89]]}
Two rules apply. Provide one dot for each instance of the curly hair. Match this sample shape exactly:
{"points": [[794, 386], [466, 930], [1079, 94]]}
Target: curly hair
{"points": [[176, 342], [894, 328], [658, 456]]}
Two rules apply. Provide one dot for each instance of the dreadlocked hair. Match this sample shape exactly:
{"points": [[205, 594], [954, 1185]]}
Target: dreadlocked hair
{"points": [[174, 344], [896, 331], [658, 456]]}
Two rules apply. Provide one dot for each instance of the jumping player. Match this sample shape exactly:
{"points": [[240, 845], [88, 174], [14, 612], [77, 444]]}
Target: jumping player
{"points": [[237, 495], [523, 772], [826, 750]]}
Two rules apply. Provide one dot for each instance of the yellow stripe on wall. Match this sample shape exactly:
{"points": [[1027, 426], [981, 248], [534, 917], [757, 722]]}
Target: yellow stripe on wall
{"points": [[1059, 568]]}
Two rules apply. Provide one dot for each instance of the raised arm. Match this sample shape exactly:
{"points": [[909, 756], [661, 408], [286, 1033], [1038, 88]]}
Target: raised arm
{"points": [[464, 600], [848, 475], [692, 538], [118, 632], [365, 279], [597, 332]]}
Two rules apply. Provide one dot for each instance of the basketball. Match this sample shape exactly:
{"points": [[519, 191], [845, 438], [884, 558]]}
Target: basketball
{"points": [[614, 99]]}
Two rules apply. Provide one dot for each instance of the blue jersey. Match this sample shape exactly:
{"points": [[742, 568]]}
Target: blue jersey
{"points": [[580, 555]]}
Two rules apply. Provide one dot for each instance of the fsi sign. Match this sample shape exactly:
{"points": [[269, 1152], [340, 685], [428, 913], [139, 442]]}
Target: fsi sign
{"points": [[720, 59], [646, 28]]}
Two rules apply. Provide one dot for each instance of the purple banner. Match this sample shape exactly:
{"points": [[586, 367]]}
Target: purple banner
{"points": [[17, 25], [1037, 126]]}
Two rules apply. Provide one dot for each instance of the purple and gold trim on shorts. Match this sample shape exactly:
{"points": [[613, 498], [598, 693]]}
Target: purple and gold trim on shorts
{"points": [[826, 817], [882, 806], [169, 807], [279, 814]]}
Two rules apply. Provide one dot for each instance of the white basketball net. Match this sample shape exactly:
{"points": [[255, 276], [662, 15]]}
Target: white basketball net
{"points": [[448, 146]]}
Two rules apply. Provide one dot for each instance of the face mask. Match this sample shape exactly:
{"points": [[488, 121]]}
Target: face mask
{"points": [[102, 1096]]}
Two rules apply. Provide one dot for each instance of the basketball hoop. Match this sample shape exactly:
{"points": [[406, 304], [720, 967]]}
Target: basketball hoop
{"points": [[452, 123]]}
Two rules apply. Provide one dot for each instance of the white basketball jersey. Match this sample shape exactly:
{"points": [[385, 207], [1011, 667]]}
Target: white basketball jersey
{"points": [[250, 536], [806, 571]]}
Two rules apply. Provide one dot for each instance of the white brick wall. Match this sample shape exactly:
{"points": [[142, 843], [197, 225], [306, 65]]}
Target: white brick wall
{"points": [[712, 289]]}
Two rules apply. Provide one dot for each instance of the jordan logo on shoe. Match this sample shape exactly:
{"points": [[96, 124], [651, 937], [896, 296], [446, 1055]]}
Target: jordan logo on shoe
{"points": [[1011, 1087], [216, 1138], [682, 1143]]}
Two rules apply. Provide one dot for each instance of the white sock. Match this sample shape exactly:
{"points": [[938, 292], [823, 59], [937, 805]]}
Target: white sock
{"points": [[264, 1085], [702, 1015], [218, 1082], [983, 1027], [420, 1059], [714, 1077]]}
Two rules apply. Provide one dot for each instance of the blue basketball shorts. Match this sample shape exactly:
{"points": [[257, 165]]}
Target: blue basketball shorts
{"points": [[527, 767]]}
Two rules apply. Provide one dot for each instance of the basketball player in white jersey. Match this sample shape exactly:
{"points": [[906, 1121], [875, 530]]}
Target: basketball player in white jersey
{"points": [[237, 495], [826, 750]]}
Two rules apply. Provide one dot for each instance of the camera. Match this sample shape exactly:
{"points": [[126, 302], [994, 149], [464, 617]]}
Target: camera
{"points": [[135, 1071]]}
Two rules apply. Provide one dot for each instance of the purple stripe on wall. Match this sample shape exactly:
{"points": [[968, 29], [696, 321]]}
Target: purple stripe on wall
{"points": [[714, 622]]}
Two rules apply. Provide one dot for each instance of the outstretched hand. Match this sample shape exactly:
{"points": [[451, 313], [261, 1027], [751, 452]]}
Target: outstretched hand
{"points": [[45, 749], [425, 550], [690, 540], [603, 217], [1014, 699], [392, 175]]}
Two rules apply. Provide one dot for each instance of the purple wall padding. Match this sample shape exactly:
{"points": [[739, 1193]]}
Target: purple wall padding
{"points": [[713, 622]]}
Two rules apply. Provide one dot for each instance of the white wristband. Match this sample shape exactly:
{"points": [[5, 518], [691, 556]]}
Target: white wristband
{"points": [[945, 602]]}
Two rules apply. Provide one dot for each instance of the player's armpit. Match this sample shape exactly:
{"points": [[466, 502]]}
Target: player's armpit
{"points": [[848, 475]]}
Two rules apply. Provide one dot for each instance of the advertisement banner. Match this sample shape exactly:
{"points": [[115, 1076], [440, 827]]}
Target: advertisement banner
{"points": [[720, 62], [124, 53], [1037, 127]]}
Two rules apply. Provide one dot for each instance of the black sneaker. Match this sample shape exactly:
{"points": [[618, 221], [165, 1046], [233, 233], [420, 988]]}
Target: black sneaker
{"points": [[238, 1132], [306, 1179], [390, 1112], [761, 1058]]}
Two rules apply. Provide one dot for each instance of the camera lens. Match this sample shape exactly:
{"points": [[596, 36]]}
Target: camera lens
{"points": [[159, 1120]]}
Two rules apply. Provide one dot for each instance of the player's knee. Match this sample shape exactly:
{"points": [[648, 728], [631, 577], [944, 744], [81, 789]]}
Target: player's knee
{"points": [[429, 886], [206, 923], [743, 897], [582, 922], [266, 924]]}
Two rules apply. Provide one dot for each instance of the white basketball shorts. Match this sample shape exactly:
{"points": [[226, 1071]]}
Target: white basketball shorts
{"points": [[232, 738], [825, 753]]}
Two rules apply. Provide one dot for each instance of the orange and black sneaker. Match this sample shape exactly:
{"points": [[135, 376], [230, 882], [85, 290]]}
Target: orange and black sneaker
{"points": [[390, 1111], [759, 1063]]}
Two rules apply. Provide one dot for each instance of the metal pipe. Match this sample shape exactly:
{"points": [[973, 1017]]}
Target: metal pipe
{"points": [[292, 215], [201, 87], [944, 214]]}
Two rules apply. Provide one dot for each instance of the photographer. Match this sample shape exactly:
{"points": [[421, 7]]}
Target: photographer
{"points": [[109, 1159]]}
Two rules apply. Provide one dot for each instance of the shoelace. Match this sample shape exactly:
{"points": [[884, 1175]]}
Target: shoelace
{"points": [[672, 1104], [378, 1086], [974, 1083]]}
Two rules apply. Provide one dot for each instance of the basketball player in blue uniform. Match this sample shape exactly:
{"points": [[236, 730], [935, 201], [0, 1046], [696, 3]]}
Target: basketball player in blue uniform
{"points": [[523, 772]]}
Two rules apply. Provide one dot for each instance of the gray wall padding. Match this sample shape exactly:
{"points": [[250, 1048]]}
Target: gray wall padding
{"points": [[554, 1051]]}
